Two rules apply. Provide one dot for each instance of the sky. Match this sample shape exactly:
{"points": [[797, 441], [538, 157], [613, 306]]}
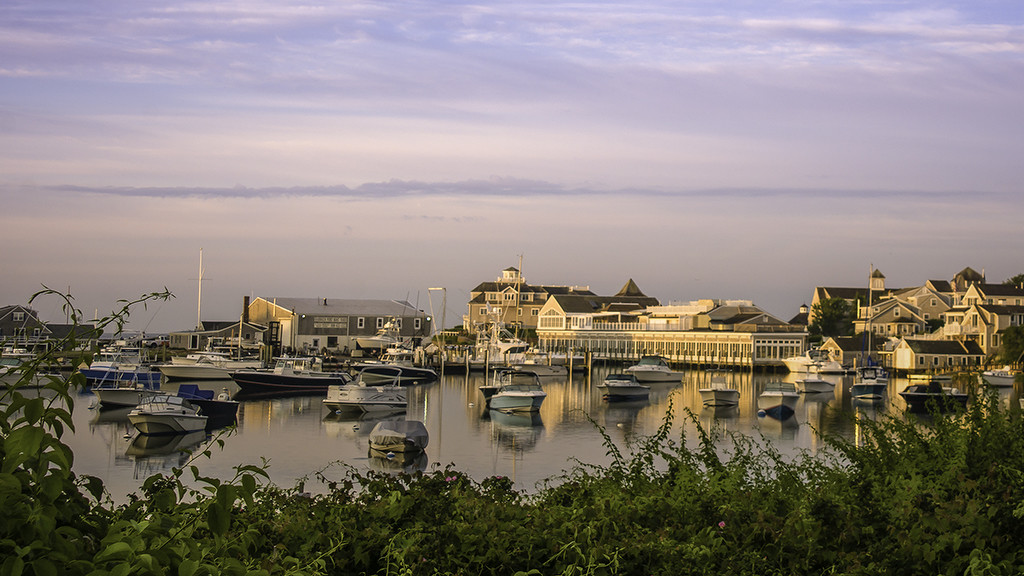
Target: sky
{"points": [[727, 149]]}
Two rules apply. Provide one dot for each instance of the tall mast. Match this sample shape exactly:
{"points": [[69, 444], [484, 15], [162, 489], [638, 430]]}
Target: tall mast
{"points": [[199, 301]]}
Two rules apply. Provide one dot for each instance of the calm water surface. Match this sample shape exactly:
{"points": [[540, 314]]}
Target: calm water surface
{"points": [[299, 437]]}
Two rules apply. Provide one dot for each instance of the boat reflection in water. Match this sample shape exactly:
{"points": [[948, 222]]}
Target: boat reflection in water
{"points": [[398, 462], [778, 427], [623, 415], [515, 431]]}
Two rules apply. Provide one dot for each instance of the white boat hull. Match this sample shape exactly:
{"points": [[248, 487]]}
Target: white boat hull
{"points": [[998, 379], [366, 398], [517, 401], [623, 392], [643, 375], [719, 396], [121, 397], [814, 386]]}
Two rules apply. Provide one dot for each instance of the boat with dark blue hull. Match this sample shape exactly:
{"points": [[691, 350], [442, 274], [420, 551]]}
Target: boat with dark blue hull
{"points": [[298, 375]]}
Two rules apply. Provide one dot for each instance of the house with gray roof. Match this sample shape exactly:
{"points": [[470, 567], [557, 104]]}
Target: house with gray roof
{"points": [[312, 324], [927, 355]]}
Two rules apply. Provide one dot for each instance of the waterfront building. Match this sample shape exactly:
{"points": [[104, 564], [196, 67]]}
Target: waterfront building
{"points": [[512, 301], [312, 324], [928, 355], [702, 332], [21, 327]]}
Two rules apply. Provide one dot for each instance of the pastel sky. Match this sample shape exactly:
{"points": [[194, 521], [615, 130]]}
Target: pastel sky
{"points": [[726, 149]]}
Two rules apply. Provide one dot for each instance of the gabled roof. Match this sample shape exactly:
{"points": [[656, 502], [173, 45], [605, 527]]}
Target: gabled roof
{"points": [[800, 319], [970, 275], [81, 331], [877, 274], [30, 314], [1001, 310], [940, 285], [848, 343], [1000, 290], [945, 347]]}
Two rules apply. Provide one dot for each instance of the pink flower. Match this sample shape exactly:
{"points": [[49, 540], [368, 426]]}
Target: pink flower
{"points": [[721, 524]]}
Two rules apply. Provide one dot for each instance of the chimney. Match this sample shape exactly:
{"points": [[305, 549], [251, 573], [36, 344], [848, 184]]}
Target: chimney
{"points": [[245, 309]]}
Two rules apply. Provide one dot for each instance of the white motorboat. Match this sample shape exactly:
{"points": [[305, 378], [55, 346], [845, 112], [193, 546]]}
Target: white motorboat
{"points": [[361, 396], [122, 394], [813, 361], [870, 383], [814, 385], [654, 369], [387, 337], [401, 436], [206, 366], [623, 388], [166, 414], [778, 400], [383, 371], [719, 392], [498, 347], [541, 364], [517, 392], [1001, 378]]}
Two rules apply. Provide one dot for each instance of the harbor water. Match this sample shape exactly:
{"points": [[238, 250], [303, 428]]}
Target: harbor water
{"points": [[300, 438]]}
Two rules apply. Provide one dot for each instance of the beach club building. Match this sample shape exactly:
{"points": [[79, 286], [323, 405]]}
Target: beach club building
{"points": [[700, 333]]}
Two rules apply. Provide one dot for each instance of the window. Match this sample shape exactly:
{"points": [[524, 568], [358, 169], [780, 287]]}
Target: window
{"points": [[360, 322], [316, 342], [18, 316], [417, 323], [519, 312], [332, 341], [535, 312], [380, 323]]}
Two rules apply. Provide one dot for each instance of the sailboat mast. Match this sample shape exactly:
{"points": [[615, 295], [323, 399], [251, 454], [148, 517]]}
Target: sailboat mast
{"points": [[199, 300]]}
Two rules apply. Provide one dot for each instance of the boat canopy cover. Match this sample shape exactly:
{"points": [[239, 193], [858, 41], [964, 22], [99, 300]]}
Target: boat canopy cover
{"points": [[411, 432]]}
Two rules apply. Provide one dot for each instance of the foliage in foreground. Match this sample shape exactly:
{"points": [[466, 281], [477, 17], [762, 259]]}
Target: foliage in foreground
{"points": [[942, 497]]}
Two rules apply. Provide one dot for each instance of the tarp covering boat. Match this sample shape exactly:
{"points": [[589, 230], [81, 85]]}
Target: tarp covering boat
{"points": [[399, 436]]}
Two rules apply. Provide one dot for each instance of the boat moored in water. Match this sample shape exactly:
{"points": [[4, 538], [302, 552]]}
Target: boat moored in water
{"points": [[654, 369], [166, 414], [778, 400], [933, 396], [517, 392], [1000, 378], [361, 396], [719, 393], [623, 388], [290, 375], [401, 436]]}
